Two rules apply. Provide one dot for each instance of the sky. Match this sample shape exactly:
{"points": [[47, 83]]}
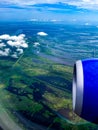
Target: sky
{"points": [[74, 11]]}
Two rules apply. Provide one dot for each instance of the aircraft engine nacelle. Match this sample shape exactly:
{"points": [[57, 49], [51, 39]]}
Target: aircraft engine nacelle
{"points": [[85, 89]]}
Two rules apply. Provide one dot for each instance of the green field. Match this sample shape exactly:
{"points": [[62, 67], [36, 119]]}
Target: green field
{"points": [[36, 85], [39, 90]]}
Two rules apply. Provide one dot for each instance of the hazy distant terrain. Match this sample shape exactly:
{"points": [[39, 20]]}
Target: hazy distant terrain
{"points": [[36, 67]]}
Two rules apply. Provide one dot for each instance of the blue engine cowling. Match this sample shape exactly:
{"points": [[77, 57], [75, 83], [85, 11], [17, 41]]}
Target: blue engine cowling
{"points": [[85, 89]]}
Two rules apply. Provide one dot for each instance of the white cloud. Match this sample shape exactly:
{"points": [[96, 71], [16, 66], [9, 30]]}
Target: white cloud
{"points": [[14, 55], [87, 24], [32, 2], [42, 34], [20, 51], [2, 45], [7, 50], [53, 20], [24, 45], [29, 2], [91, 1], [36, 44], [4, 37], [3, 53], [15, 38], [86, 4], [33, 20], [11, 43], [17, 44], [7, 43], [15, 41]]}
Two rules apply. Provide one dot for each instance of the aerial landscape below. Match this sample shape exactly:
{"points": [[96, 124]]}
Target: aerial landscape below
{"points": [[36, 68]]}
